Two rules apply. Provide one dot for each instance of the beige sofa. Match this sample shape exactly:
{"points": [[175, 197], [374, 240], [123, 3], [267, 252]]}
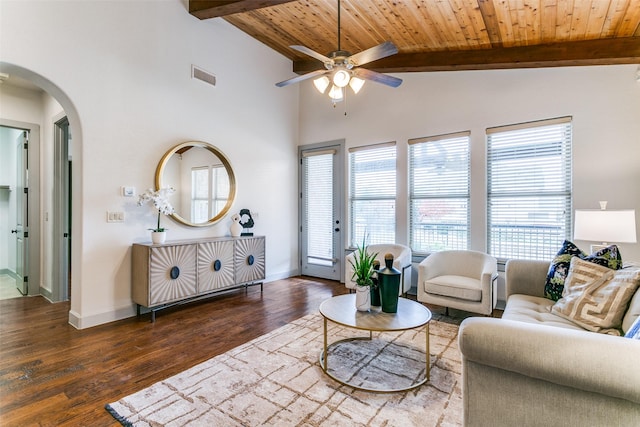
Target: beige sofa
{"points": [[533, 368]]}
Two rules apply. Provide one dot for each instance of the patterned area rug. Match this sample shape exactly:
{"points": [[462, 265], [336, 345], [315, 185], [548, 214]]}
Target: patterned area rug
{"points": [[277, 380]]}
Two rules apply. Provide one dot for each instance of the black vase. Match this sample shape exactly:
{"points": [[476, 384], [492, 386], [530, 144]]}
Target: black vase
{"points": [[375, 288]]}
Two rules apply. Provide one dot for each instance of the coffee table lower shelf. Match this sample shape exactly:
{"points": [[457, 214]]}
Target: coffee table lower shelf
{"points": [[382, 389]]}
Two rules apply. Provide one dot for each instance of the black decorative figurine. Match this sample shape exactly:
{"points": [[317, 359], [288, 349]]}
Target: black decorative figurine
{"points": [[246, 221]]}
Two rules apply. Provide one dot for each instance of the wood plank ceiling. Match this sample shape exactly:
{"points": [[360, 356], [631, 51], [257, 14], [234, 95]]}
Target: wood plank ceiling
{"points": [[439, 35]]}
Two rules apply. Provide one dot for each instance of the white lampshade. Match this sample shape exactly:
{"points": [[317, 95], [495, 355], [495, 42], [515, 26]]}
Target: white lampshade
{"points": [[335, 93], [615, 226], [321, 83], [356, 84], [341, 78]]}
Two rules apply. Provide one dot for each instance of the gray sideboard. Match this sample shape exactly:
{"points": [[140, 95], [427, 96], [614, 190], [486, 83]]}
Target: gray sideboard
{"points": [[181, 271]]}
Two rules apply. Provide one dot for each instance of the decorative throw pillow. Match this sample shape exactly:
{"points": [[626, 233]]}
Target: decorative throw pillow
{"points": [[596, 297], [558, 270], [634, 330], [607, 257], [556, 276]]}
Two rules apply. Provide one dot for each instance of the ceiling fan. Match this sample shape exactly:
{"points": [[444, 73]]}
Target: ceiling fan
{"points": [[342, 68]]}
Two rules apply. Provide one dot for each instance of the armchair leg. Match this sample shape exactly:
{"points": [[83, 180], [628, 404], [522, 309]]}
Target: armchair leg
{"points": [[446, 311]]}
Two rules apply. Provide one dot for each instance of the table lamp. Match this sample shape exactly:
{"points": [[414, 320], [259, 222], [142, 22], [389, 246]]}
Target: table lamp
{"points": [[606, 226]]}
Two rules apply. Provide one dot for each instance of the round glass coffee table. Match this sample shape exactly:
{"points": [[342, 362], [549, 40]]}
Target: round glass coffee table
{"points": [[342, 311]]}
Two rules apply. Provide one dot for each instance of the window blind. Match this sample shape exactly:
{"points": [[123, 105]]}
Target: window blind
{"points": [[372, 194], [529, 189], [439, 192]]}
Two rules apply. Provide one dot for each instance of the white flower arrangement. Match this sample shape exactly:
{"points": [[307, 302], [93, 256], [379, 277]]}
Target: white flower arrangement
{"points": [[160, 200]]}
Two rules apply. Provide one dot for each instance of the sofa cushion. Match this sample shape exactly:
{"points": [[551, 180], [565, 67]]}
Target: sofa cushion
{"points": [[537, 310], [460, 287], [596, 297], [557, 274]]}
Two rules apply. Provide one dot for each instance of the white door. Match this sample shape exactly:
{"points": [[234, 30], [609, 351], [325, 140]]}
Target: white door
{"points": [[321, 227], [22, 210]]}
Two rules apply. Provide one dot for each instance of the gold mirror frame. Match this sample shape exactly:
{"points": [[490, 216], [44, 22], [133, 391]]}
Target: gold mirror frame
{"points": [[213, 150]]}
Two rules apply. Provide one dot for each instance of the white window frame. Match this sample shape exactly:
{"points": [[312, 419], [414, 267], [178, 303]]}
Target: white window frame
{"points": [[529, 188], [439, 182]]}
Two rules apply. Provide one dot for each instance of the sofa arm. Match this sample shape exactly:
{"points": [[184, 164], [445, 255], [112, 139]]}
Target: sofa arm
{"points": [[525, 277], [583, 360]]}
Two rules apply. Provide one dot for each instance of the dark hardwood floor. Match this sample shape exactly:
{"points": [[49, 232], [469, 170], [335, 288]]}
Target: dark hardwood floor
{"points": [[52, 374]]}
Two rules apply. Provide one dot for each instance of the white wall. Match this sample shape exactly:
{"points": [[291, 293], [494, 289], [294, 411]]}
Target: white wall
{"points": [[604, 102], [121, 70]]}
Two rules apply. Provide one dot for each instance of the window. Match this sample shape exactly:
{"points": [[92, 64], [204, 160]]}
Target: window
{"points": [[372, 194], [529, 188], [439, 192], [207, 200]]}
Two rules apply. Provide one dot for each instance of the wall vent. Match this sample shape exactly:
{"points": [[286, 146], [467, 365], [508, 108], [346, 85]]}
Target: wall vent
{"points": [[205, 76]]}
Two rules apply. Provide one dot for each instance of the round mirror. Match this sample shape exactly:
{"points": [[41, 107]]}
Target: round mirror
{"points": [[204, 183]]}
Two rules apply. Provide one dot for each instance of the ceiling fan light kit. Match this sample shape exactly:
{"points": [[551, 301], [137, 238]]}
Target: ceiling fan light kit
{"points": [[341, 69]]}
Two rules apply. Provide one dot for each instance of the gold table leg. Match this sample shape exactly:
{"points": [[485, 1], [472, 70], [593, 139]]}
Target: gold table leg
{"points": [[325, 346], [428, 355]]}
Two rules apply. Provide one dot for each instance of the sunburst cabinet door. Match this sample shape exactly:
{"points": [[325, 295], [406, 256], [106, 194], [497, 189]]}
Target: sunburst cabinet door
{"points": [[249, 260], [215, 266], [172, 273]]}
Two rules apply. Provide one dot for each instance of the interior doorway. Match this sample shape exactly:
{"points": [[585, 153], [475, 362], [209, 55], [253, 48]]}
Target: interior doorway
{"points": [[19, 209], [61, 269]]}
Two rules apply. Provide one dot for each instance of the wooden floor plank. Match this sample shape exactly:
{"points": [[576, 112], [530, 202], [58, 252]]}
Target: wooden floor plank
{"points": [[54, 375]]}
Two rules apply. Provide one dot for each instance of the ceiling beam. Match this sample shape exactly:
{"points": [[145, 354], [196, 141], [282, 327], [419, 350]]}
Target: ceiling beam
{"points": [[205, 9], [586, 52]]}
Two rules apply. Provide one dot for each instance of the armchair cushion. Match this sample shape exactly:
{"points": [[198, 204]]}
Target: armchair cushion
{"points": [[460, 287]]}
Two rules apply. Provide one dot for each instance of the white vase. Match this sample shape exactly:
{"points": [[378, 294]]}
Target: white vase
{"points": [[363, 298], [236, 228], [158, 237]]}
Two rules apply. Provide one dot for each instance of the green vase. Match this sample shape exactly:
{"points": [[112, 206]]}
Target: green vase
{"points": [[389, 284]]}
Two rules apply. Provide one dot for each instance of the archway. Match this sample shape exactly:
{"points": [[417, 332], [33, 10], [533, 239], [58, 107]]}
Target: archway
{"points": [[76, 208]]}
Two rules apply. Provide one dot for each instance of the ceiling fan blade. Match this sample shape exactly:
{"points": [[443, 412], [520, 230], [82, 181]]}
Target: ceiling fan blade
{"points": [[312, 53], [374, 76], [373, 54], [297, 79]]}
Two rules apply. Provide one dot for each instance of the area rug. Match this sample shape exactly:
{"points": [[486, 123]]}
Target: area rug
{"points": [[276, 380]]}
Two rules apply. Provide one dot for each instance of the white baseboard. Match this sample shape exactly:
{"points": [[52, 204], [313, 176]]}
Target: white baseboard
{"points": [[80, 322]]}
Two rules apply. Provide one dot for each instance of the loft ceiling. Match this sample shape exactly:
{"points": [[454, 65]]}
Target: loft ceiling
{"points": [[443, 35]]}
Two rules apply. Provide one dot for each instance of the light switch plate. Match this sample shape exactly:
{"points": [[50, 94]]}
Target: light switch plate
{"points": [[128, 191]]}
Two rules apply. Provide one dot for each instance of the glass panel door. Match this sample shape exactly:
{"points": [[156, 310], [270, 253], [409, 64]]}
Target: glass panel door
{"points": [[321, 222]]}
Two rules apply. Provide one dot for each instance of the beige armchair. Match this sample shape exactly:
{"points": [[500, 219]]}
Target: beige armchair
{"points": [[401, 261], [464, 280]]}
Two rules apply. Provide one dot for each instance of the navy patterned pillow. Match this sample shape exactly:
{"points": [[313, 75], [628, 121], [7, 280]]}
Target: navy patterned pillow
{"points": [[607, 257], [558, 270], [554, 285]]}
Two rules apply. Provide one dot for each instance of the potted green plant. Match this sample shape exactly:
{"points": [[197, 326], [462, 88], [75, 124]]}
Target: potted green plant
{"points": [[363, 271]]}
